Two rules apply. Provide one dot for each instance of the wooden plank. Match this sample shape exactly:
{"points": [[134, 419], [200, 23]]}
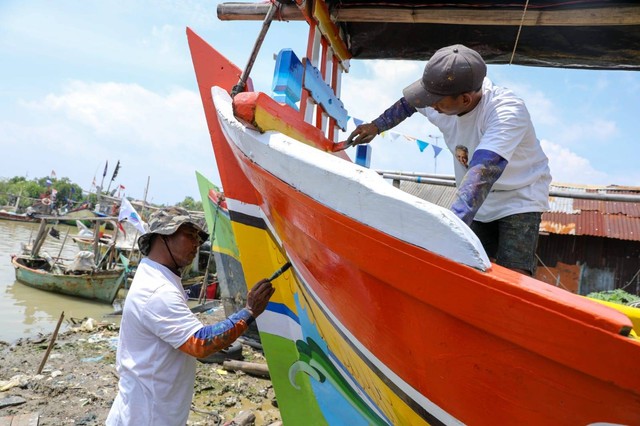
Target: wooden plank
{"points": [[597, 16], [330, 30], [604, 16], [256, 12]]}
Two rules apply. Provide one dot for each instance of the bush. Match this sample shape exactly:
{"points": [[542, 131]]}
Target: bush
{"points": [[615, 296]]}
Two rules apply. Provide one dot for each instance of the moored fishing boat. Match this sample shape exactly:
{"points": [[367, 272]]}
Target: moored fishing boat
{"points": [[17, 217], [99, 285], [393, 313]]}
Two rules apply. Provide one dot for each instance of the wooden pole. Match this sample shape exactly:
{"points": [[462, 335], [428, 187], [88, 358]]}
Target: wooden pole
{"points": [[144, 199], [96, 243], [36, 241], [62, 246], [51, 343], [252, 368], [243, 418], [589, 16]]}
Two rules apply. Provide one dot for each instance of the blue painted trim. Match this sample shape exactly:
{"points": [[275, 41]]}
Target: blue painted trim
{"points": [[291, 75], [282, 309]]}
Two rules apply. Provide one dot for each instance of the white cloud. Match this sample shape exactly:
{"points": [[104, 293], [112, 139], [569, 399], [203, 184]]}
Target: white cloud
{"points": [[568, 167], [594, 132], [159, 135]]}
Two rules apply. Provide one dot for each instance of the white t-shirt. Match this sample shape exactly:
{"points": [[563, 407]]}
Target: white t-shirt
{"points": [[156, 378], [500, 123]]}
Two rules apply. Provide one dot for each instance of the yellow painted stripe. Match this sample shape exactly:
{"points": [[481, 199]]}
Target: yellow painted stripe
{"points": [[226, 251], [632, 313], [260, 257], [330, 31]]}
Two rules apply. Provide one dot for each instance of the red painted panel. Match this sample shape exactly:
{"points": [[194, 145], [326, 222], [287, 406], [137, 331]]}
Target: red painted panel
{"points": [[509, 344], [213, 69]]}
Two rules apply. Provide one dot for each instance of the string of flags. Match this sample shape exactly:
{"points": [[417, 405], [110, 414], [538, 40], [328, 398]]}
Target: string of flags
{"points": [[422, 145]]}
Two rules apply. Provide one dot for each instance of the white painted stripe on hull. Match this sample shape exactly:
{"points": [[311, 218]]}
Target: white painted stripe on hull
{"points": [[253, 211], [279, 325], [244, 208], [363, 195]]}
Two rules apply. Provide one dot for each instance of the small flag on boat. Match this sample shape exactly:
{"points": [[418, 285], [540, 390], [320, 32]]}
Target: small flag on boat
{"points": [[106, 166], [422, 145], [53, 173], [128, 213], [115, 171]]}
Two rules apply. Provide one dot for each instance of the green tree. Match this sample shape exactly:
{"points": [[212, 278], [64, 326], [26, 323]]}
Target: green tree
{"points": [[190, 204], [31, 191]]}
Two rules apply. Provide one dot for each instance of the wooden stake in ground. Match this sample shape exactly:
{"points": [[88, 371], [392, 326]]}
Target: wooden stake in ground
{"points": [[252, 368], [244, 418], [51, 343]]}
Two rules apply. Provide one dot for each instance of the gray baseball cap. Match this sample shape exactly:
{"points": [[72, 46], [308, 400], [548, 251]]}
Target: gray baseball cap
{"points": [[167, 221], [451, 71]]}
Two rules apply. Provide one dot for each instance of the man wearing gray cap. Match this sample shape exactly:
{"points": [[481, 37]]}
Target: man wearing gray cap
{"points": [[160, 338], [504, 188]]}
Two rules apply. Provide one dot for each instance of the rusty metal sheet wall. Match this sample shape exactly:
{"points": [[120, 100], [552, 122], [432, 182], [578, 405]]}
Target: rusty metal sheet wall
{"points": [[610, 263]]}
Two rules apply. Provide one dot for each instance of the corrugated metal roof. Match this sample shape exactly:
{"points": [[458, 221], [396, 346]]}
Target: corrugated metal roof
{"points": [[568, 216]]}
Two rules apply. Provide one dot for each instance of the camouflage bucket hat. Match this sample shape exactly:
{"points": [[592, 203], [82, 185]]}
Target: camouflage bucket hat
{"points": [[166, 222]]}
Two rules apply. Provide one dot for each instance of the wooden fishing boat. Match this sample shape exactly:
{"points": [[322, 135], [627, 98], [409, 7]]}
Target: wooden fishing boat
{"points": [[80, 213], [38, 272], [392, 312], [17, 217]]}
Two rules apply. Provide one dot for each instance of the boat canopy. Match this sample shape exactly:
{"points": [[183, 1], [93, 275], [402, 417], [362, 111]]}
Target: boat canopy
{"points": [[549, 33]]}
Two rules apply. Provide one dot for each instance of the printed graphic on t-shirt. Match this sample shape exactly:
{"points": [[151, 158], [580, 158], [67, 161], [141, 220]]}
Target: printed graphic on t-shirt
{"points": [[462, 155]]}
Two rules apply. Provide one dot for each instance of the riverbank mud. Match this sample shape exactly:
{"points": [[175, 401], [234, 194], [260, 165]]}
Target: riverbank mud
{"points": [[79, 381]]}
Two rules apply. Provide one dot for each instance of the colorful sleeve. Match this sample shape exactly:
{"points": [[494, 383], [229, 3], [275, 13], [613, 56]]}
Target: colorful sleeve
{"points": [[215, 337], [395, 115], [484, 170]]}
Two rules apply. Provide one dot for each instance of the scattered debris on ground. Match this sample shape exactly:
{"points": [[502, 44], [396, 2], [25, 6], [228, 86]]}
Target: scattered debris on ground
{"points": [[79, 381]]}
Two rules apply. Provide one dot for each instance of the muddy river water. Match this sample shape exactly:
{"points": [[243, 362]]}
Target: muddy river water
{"points": [[25, 311]]}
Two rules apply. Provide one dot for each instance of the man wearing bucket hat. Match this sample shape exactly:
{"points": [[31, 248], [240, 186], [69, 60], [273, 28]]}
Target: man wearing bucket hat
{"points": [[160, 338], [504, 188]]}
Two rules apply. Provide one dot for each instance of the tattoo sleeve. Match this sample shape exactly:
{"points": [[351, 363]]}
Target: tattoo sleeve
{"points": [[215, 337], [484, 170], [394, 115]]}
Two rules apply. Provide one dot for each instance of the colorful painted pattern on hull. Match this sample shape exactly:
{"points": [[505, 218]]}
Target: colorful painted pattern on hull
{"points": [[446, 366], [285, 328], [464, 356]]}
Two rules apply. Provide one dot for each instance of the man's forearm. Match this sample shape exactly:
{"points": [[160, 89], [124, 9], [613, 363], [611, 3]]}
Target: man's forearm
{"points": [[394, 115], [484, 170], [215, 337]]}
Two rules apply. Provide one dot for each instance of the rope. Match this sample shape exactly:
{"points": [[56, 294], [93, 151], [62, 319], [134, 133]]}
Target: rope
{"points": [[515, 45], [555, 277], [631, 280]]}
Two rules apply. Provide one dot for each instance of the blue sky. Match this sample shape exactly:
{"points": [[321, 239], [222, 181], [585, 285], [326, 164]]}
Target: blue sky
{"points": [[83, 82]]}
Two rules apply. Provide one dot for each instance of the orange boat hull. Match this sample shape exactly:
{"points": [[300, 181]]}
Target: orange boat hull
{"points": [[415, 337]]}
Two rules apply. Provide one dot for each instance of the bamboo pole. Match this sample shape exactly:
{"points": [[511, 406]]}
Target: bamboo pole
{"points": [[144, 199], [62, 246], [51, 343]]}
